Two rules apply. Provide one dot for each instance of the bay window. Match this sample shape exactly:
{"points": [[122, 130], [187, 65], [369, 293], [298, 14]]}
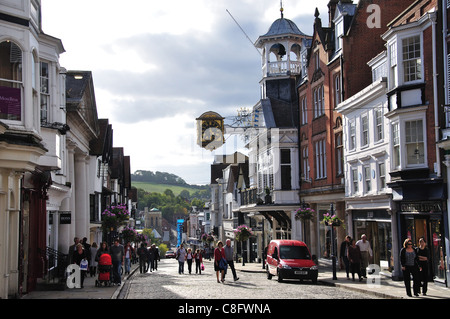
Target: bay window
{"points": [[412, 61], [11, 84], [415, 147]]}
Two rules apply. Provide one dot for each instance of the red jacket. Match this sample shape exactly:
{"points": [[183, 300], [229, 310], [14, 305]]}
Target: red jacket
{"points": [[199, 255], [219, 253]]}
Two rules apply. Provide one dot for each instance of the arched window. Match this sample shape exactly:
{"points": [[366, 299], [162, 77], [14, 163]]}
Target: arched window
{"points": [[10, 81]]}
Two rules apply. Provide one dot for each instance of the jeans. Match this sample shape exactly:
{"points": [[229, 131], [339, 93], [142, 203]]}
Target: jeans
{"points": [[117, 265], [142, 265], [189, 262], [127, 265], [231, 265], [181, 267]]}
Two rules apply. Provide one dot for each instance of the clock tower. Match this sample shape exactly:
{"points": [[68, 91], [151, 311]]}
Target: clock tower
{"points": [[284, 51]]}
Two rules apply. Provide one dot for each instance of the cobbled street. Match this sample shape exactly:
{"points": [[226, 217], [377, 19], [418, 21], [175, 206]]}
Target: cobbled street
{"points": [[166, 283]]}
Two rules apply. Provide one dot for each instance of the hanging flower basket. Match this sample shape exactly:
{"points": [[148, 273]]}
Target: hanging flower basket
{"points": [[114, 216], [304, 213], [129, 234], [242, 233], [141, 238], [207, 238], [332, 220]]}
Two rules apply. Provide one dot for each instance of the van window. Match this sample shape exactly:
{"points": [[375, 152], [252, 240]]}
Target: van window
{"points": [[294, 252]]}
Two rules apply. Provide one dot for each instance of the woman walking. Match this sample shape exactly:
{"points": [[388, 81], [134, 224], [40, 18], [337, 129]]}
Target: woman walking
{"points": [[410, 266], [189, 258], [93, 261], [198, 261], [79, 257], [354, 257], [424, 255], [219, 257]]}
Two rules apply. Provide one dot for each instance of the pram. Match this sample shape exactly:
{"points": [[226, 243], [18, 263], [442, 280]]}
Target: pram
{"points": [[104, 270]]}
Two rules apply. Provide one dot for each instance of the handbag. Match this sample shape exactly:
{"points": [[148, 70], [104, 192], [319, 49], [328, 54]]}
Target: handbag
{"points": [[223, 265], [84, 264], [203, 267]]}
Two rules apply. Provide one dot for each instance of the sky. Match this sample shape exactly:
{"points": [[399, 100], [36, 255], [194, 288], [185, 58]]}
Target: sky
{"points": [[159, 65]]}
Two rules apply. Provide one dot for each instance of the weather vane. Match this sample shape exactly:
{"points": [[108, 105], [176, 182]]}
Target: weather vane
{"points": [[281, 8]]}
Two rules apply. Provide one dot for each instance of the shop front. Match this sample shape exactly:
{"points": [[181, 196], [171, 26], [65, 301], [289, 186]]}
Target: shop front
{"points": [[426, 219], [377, 226]]}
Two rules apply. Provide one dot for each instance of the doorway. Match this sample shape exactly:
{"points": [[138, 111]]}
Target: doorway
{"points": [[431, 229], [379, 235]]}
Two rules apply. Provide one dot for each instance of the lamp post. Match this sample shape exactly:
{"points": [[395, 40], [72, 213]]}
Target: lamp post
{"points": [[333, 249]]}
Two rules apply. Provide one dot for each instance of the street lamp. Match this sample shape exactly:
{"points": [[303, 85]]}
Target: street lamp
{"points": [[333, 249]]}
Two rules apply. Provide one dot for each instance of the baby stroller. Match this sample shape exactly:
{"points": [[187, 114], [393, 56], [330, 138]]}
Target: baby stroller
{"points": [[104, 270]]}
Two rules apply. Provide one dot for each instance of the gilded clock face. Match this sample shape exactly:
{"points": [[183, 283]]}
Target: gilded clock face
{"points": [[210, 130], [212, 134]]}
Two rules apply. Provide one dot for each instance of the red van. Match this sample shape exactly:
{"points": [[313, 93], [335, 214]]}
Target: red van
{"points": [[290, 259]]}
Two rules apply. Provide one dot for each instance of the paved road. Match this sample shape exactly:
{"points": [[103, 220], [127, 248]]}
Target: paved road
{"points": [[166, 283]]}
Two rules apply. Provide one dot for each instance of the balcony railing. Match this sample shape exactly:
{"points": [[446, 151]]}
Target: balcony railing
{"points": [[249, 196], [282, 68]]}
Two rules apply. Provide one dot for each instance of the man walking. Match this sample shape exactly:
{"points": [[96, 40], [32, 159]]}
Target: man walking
{"points": [[181, 257], [366, 253], [117, 257], [229, 257]]}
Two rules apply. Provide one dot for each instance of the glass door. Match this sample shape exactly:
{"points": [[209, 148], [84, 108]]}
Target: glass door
{"points": [[436, 246]]}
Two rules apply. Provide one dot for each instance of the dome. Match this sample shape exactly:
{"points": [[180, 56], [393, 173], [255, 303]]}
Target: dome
{"points": [[283, 26]]}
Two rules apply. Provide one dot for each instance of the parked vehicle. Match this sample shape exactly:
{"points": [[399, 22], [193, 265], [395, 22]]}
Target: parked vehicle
{"points": [[290, 259], [170, 254]]}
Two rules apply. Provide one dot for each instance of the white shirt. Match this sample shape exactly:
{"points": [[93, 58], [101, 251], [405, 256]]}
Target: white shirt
{"points": [[364, 246]]}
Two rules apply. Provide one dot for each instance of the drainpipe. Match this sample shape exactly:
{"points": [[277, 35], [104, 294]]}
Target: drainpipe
{"points": [[432, 17]]}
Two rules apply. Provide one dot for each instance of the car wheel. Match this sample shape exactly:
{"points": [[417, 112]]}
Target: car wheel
{"points": [[280, 277]]}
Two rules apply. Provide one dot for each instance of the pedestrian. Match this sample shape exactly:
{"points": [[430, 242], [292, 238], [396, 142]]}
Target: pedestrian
{"points": [[229, 258], [181, 257], [366, 254], [142, 253], [72, 248], [148, 257], [198, 261], [157, 256], [79, 257], [219, 261], [93, 262], [128, 250], [102, 250], [87, 248], [424, 256], [344, 255], [410, 267], [354, 258], [151, 257], [189, 257], [117, 257]]}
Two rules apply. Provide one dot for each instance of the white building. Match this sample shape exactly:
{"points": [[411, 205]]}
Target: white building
{"points": [[367, 159]]}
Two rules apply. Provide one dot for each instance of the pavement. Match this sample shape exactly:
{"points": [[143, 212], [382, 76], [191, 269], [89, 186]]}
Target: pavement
{"points": [[382, 286]]}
